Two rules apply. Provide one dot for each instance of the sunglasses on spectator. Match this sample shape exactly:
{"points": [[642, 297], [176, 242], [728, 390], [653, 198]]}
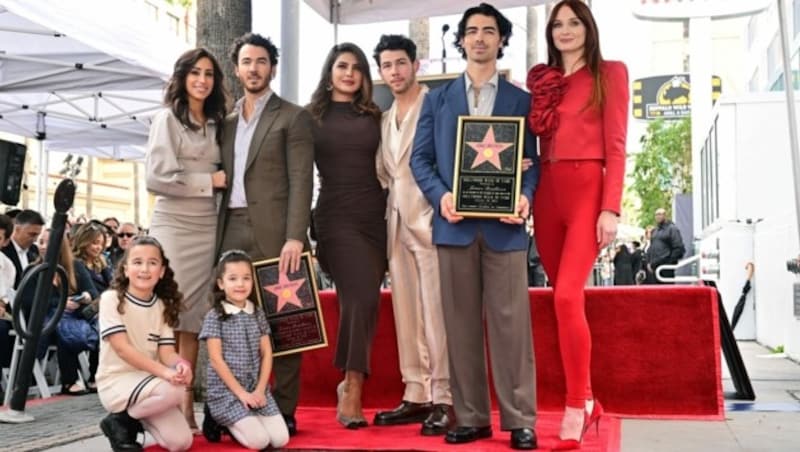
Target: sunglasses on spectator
{"points": [[126, 234]]}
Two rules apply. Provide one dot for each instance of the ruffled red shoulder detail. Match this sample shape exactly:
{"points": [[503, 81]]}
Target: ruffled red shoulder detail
{"points": [[547, 86]]}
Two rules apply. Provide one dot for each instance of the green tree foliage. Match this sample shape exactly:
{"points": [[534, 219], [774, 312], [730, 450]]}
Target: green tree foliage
{"points": [[663, 167]]}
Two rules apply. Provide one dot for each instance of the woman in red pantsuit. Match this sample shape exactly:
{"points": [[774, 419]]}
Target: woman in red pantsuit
{"points": [[579, 109]]}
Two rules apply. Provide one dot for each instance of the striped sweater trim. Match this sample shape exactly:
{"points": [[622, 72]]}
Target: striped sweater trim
{"points": [[167, 341], [140, 302], [137, 391], [113, 330]]}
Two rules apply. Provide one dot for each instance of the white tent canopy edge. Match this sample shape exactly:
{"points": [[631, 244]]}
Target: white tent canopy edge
{"points": [[83, 76], [347, 12]]}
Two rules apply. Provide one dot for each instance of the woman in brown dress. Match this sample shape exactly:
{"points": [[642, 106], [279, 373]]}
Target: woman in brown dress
{"points": [[349, 217]]}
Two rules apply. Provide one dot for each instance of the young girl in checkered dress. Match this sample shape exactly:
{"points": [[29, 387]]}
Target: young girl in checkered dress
{"points": [[141, 379], [239, 362]]}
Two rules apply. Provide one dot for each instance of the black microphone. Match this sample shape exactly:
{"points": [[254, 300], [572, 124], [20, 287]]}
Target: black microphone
{"points": [[64, 196]]}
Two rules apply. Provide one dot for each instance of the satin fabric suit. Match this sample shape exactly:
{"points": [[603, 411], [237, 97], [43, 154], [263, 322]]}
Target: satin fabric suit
{"points": [[413, 267]]}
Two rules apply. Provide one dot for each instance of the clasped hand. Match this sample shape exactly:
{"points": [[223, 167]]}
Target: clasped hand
{"points": [[253, 399], [181, 375]]}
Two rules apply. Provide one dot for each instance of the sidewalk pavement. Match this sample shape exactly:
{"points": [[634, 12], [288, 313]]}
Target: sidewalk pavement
{"points": [[771, 423]]}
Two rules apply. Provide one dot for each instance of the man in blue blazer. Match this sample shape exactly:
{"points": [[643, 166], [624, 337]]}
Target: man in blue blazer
{"points": [[483, 262]]}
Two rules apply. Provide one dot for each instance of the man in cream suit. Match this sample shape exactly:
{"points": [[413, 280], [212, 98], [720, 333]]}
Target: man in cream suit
{"points": [[413, 264], [268, 155]]}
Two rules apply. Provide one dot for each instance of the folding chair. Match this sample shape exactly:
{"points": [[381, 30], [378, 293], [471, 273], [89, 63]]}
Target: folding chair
{"points": [[38, 372]]}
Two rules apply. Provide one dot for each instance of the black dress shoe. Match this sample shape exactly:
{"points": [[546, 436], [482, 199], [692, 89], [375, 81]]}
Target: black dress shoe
{"points": [[523, 438], [121, 431], [441, 418], [467, 434], [291, 423], [405, 413], [65, 390], [211, 429]]}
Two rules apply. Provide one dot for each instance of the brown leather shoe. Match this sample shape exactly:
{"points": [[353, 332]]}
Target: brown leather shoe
{"points": [[439, 421], [405, 413]]}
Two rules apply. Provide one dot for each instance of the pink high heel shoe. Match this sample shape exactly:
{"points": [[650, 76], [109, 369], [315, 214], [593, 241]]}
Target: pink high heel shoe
{"points": [[589, 419]]}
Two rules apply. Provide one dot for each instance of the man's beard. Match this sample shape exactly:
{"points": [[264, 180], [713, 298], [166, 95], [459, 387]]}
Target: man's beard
{"points": [[407, 86], [259, 88]]}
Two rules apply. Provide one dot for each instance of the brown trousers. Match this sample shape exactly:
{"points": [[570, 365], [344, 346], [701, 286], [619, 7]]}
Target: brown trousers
{"points": [[479, 283]]}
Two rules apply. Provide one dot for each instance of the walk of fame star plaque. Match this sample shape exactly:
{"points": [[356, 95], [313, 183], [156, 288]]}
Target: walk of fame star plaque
{"points": [[292, 306], [488, 165]]}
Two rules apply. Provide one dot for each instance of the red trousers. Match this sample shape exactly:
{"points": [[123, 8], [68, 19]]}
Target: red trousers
{"points": [[565, 212]]}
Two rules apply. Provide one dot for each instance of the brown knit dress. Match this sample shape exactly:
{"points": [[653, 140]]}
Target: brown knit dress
{"points": [[350, 227]]}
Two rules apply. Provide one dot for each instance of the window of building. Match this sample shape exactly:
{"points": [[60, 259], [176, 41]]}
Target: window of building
{"points": [[173, 23], [753, 85], [773, 56], [709, 177], [752, 30], [152, 9], [780, 84]]}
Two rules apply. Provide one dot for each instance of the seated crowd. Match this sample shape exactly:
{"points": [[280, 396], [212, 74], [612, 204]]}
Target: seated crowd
{"points": [[89, 253]]}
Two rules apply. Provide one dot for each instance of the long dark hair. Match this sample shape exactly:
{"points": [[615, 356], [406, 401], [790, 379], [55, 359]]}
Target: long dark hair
{"points": [[321, 99], [217, 294], [176, 98], [591, 47], [166, 289]]}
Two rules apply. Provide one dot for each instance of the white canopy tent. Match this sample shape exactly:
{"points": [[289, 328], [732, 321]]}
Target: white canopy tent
{"points": [[347, 12], [82, 76]]}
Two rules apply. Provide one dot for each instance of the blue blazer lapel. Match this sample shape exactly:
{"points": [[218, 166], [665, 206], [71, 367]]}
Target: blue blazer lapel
{"points": [[505, 102], [457, 96]]}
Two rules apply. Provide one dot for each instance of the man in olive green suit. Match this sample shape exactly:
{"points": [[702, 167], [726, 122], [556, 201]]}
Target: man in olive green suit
{"points": [[267, 155]]}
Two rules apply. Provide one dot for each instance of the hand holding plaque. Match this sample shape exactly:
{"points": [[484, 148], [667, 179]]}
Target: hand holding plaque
{"points": [[488, 166]]}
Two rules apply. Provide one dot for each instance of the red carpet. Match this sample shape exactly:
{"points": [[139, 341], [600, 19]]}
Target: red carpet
{"points": [[328, 435], [656, 354]]}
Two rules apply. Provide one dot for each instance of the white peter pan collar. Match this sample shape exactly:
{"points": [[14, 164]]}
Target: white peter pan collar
{"points": [[232, 309]]}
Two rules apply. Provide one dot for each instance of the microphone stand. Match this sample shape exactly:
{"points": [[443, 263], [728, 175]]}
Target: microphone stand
{"points": [[445, 27], [41, 276]]}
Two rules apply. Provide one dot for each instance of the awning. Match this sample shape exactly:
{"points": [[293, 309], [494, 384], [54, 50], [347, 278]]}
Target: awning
{"points": [[84, 76], [368, 11]]}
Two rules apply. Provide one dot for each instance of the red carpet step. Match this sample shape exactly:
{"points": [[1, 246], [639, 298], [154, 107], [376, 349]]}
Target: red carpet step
{"points": [[320, 431], [656, 353]]}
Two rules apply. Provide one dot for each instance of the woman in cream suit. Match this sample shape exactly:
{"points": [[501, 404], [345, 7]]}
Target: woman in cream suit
{"points": [[183, 159]]}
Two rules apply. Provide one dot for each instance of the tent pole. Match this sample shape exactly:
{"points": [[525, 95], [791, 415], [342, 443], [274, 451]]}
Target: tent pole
{"points": [[89, 188], [788, 88], [136, 195], [41, 179], [335, 8], [290, 43]]}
